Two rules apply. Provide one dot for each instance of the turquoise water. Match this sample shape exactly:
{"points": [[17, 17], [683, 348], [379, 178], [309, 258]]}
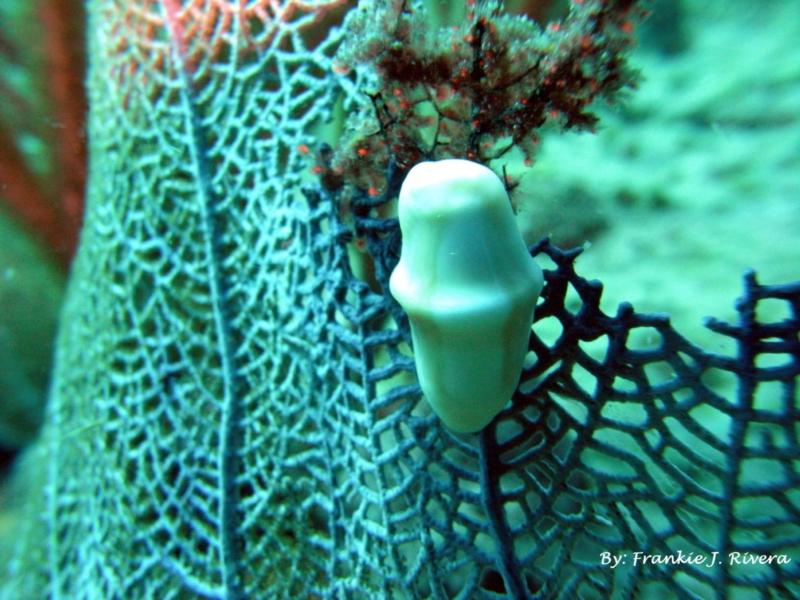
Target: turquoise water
{"points": [[696, 178]]}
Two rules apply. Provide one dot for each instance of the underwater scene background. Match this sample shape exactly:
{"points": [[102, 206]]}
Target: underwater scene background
{"points": [[213, 394]]}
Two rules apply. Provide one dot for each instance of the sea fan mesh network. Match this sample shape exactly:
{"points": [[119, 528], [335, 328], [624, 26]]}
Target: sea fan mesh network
{"points": [[622, 437], [235, 415]]}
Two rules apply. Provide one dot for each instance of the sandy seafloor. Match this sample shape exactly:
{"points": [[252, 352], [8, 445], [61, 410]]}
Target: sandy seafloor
{"points": [[694, 178]]}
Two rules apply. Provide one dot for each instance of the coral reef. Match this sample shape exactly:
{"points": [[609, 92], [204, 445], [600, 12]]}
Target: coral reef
{"points": [[235, 414]]}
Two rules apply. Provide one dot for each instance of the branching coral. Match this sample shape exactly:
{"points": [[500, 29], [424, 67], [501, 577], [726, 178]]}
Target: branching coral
{"points": [[477, 90]]}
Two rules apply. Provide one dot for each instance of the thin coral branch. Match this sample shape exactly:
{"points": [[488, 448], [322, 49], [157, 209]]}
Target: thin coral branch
{"points": [[66, 65], [44, 190], [23, 196]]}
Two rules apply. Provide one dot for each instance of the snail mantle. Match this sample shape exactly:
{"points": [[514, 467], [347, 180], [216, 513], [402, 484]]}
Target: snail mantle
{"points": [[469, 287]]}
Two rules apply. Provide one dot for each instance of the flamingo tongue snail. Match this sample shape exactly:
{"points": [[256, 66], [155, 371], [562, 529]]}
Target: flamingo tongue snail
{"points": [[469, 287]]}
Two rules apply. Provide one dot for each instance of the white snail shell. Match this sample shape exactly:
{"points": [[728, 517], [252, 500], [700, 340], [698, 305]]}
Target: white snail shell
{"points": [[469, 287]]}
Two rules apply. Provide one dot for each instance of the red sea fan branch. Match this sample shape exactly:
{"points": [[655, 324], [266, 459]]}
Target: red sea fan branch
{"points": [[23, 196], [66, 65], [47, 200]]}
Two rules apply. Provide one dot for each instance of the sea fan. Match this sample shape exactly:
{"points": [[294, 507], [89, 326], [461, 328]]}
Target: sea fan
{"points": [[234, 414]]}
